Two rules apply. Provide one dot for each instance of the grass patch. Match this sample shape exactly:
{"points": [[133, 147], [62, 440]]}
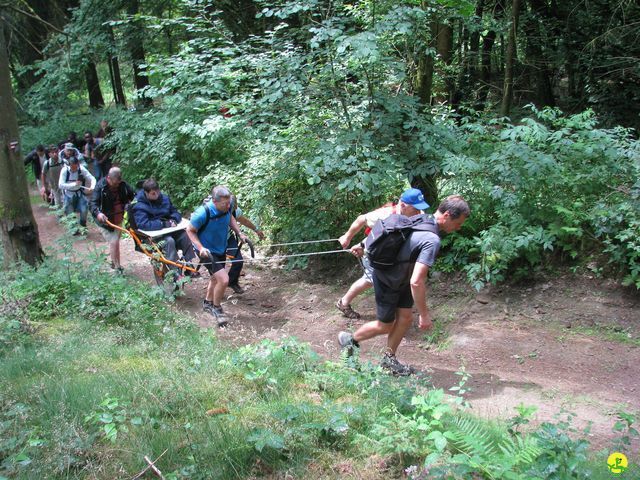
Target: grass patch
{"points": [[97, 372], [611, 333]]}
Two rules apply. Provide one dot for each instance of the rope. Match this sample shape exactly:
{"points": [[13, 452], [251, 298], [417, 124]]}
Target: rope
{"points": [[299, 243], [293, 243], [276, 257]]}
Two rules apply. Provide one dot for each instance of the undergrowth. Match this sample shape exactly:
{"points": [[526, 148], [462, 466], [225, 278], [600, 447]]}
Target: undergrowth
{"points": [[96, 372]]}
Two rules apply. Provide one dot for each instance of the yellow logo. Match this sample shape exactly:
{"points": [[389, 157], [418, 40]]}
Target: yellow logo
{"points": [[617, 462]]}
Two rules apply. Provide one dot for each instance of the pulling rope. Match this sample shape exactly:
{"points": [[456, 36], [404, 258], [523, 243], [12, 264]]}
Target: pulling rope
{"points": [[276, 257], [300, 243]]}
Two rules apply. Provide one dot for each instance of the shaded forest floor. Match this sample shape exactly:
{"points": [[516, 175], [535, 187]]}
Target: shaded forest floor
{"points": [[567, 343]]}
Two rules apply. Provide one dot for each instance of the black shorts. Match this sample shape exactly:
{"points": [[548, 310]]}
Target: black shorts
{"points": [[214, 263], [389, 299]]}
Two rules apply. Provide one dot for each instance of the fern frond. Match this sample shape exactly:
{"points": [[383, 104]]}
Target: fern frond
{"points": [[473, 438]]}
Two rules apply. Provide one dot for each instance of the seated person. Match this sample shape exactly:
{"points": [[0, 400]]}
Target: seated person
{"points": [[154, 211]]}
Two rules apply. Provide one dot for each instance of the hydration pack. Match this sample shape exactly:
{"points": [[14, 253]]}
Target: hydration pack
{"points": [[389, 234]]}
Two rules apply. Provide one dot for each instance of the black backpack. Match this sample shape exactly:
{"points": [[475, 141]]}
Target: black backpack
{"points": [[389, 234]]}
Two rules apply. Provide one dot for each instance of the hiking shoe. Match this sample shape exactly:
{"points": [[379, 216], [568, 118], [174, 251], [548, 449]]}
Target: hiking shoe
{"points": [[347, 311], [237, 289], [215, 312], [347, 343], [391, 363]]}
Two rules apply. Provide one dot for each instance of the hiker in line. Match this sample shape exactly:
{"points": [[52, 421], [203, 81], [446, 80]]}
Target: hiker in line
{"points": [[152, 211], [77, 183], [411, 203], [90, 146], [233, 251], [36, 158], [51, 176], [208, 231], [69, 151], [76, 143], [108, 203], [398, 287]]}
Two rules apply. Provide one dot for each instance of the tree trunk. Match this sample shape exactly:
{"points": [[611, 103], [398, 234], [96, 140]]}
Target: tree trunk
{"points": [[536, 59], [485, 68], [423, 87], [116, 81], [18, 229], [507, 96], [93, 86], [474, 43], [136, 46], [424, 73], [444, 47]]}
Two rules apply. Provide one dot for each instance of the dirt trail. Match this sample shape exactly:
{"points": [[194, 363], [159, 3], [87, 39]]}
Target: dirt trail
{"points": [[520, 344]]}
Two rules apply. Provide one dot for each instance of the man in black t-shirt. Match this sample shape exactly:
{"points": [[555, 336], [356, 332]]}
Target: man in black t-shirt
{"points": [[398, 288]]}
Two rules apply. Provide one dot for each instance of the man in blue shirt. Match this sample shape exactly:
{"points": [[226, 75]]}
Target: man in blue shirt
{"points": [[208, 230]]}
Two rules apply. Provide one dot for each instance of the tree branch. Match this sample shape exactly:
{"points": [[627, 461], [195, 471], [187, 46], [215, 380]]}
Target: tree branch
{"points": [[32, 15]]}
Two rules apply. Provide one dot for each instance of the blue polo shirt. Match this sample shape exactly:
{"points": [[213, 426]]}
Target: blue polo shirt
{"points": [[214, 236]]}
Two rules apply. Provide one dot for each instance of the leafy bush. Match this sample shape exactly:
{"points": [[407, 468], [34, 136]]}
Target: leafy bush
{"points": [[552, 186]]}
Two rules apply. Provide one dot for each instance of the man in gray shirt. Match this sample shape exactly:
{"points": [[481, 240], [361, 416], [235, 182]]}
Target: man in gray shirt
{"points": [[398, 288]]}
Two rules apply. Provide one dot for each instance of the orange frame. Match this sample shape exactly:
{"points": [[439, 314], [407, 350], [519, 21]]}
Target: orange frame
{"points": [[138, 242]]}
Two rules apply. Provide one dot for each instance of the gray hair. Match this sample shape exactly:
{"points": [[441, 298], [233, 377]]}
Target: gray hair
{"points": [[455, 205], [115, 173], [219, 192]]}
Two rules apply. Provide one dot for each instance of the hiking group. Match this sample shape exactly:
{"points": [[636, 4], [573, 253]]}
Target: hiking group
{"points": [[401, 244]]}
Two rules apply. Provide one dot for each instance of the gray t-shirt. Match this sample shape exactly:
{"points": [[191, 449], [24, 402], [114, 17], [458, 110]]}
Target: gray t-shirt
{"points": [[421, 247]]}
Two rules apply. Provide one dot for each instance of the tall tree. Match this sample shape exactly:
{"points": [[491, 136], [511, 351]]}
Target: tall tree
{"points": [[18, 229], [535, 52], [136, 46], [507, 95], [93, 86]]}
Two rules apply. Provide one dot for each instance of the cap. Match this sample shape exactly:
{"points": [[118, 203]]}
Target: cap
{"points": [[73, 160], [414, 197], [69, 145]]}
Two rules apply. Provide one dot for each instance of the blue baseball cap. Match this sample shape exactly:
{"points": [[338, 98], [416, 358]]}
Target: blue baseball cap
{"points": [[414, 197]]}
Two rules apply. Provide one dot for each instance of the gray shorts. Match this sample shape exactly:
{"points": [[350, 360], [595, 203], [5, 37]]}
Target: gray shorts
{"points": [[368, 269]]}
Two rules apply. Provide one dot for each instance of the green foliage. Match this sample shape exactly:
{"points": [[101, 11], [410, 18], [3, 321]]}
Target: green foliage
{"points": [[110, 419], [91, 389], [552, 185], [562, 457], [315, 117]]}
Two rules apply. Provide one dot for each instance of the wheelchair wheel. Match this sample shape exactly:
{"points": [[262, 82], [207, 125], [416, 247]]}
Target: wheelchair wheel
{"points": [[166, 278]]}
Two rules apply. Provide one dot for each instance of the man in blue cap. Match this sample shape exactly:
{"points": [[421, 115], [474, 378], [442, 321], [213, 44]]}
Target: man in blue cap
{"points": [[404, 283], [411, 203]]}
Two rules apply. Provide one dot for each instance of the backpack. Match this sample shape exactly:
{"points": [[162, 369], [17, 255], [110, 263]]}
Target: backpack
{"points": [[68, 173], [389, 234]]}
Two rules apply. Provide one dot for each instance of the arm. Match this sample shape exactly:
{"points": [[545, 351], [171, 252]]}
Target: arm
{"points": [[233, 225], [94, 205], [357, 225], [92, 180], [43, 181], [249, 224], [192, 233], [419, 293]]}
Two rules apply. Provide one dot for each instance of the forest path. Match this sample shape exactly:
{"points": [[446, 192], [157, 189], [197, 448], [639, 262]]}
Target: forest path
{"points": [[569, 343]]}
